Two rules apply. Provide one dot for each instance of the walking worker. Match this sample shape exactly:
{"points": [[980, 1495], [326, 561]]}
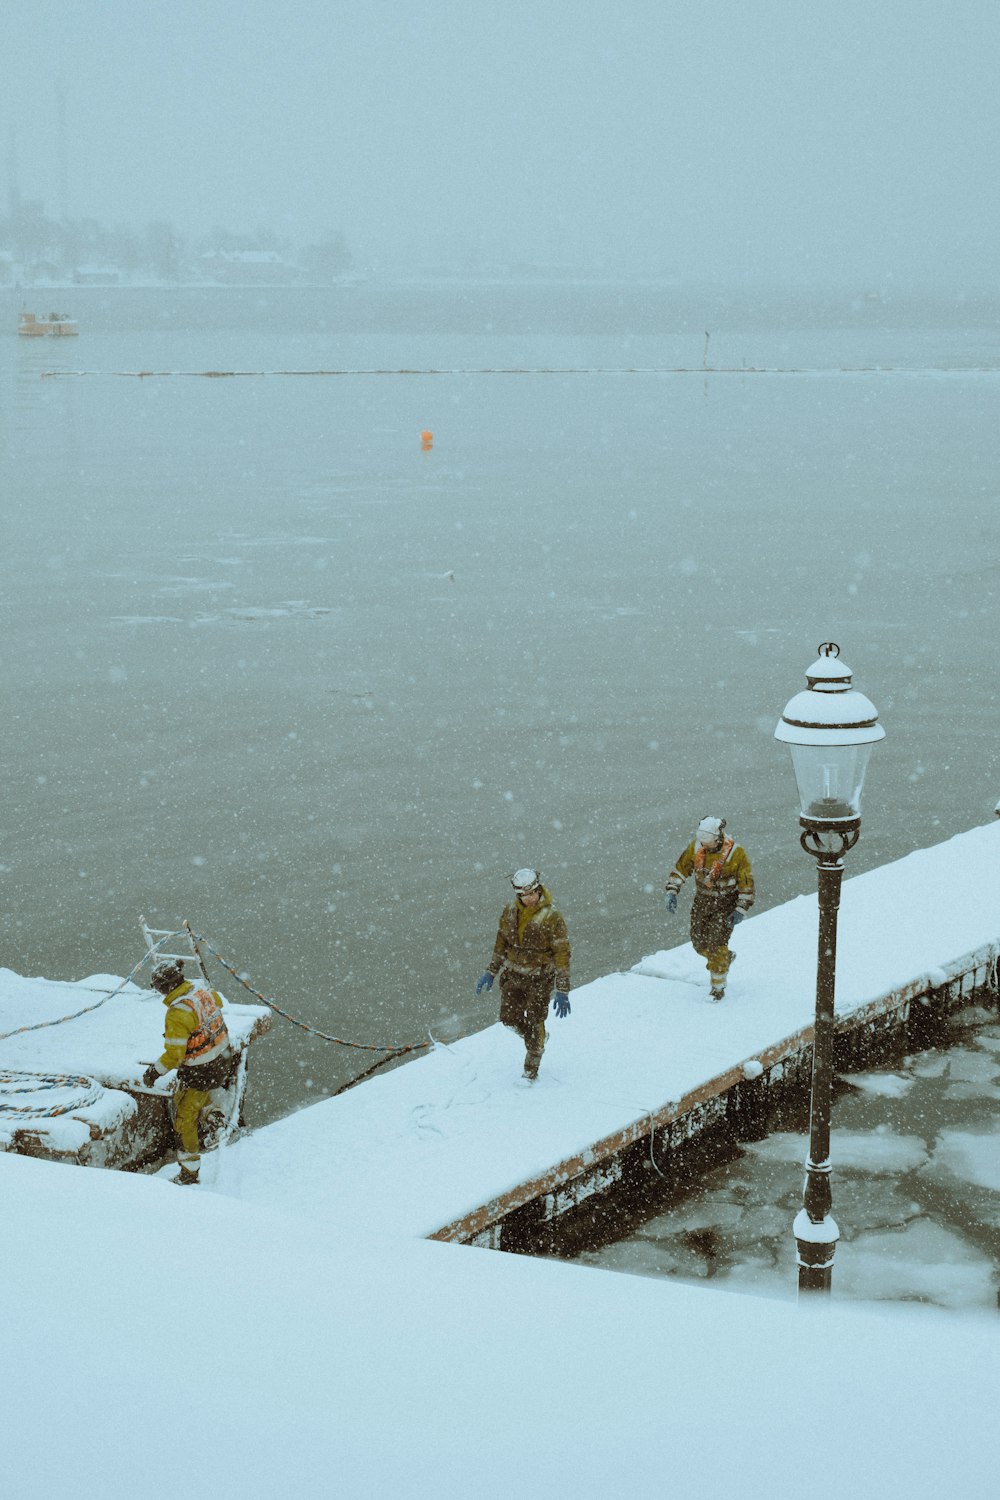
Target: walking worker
{"points": [[196, 1043], [531, 956], [724, 893]]}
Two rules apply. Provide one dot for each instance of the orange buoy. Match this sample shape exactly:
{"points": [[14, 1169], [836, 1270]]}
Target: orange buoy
{"points": [[426, 441]]}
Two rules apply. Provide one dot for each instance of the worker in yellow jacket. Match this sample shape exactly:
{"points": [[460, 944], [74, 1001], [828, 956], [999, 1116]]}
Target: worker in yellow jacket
{"points": [[531, 955], [724, 893], [196, 1043]]}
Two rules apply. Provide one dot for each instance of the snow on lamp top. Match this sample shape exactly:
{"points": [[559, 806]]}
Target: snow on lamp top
{"points": [[829, 711]]}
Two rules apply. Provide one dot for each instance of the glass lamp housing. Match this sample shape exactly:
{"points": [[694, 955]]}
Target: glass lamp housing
{"points": [[829, 779]]}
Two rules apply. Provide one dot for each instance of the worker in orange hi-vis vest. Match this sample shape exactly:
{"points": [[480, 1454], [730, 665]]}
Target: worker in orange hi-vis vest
{"points": [[724, 893], [196, 1043]]}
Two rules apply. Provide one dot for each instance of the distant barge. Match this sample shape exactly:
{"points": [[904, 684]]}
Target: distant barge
{"points": [[53, 326]]}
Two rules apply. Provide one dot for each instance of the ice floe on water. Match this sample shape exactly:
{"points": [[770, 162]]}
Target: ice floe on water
{"points": [[928, 1065], [969, 1017], [922, 1262], [970, 1073], [642, 1257], [966, 1066], [146, 620], [713, 1211], [279, 539], [885, 1085], [252, 613], [890, 1250], [868, 1203], [876, 1151], [194, 585], [972, 1091], [971, 1156]]}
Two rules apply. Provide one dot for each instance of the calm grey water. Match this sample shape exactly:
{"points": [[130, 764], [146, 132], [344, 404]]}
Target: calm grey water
{"points": [[270, 666]]}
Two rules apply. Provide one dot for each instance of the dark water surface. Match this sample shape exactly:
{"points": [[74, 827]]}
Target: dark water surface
{"points": [[270, 666]]}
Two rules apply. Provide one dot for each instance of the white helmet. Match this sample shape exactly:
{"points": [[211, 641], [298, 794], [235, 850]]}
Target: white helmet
{"points": [[709, 829], [525, 880]]}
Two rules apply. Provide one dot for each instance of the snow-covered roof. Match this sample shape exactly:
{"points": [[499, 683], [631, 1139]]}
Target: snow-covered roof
{"points": [[331, 1360]]}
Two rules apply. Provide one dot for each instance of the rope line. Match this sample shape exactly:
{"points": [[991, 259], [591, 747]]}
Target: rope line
{"points": [[15, 1081], [106, 995], [652, 1137], [392, 1050]]}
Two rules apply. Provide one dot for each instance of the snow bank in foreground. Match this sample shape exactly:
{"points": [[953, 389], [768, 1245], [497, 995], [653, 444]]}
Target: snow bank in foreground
{"points": [[341, 1366]]}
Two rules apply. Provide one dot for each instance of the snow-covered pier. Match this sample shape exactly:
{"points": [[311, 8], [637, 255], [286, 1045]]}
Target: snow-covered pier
{"points": [[456, 1146]]}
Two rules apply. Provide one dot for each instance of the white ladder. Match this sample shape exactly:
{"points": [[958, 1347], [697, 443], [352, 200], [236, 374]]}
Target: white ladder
{"points": [[153, 935]]}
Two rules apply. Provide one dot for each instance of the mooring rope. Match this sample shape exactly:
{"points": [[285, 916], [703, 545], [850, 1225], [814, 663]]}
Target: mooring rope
{"points": [[390, 1049], [14, 1082], [652, 1137], [105, 995]]}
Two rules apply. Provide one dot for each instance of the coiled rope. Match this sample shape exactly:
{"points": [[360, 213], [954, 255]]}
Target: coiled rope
{"points": [[14, 1083]]}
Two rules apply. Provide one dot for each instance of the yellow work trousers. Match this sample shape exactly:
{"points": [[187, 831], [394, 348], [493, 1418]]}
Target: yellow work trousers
{"points": [[188, 1105], [717, 962]]}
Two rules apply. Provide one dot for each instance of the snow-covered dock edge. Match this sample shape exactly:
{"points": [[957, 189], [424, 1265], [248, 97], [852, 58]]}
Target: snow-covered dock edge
{"points": [[738, 1103]]}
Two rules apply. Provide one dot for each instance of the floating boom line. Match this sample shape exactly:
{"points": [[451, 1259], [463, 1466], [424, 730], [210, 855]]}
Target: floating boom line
{"points": [[533, 370]]}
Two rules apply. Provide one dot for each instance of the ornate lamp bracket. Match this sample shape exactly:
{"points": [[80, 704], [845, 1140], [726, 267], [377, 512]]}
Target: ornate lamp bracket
{"points": [[829, 842]]}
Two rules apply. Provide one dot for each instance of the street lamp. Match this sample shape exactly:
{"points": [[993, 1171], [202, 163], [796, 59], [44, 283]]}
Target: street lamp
{"points": [[830, 730]]}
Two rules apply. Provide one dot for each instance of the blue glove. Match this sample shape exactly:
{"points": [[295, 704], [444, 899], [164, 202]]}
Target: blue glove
{"points": [[738, 916], [560, 1002], [486, 983], [671, 902]]}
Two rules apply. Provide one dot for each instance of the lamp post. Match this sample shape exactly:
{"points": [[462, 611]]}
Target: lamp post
{"points": [[830, 729]]}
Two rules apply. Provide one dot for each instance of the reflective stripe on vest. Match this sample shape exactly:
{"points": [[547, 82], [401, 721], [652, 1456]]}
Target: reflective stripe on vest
{"points": [[211, 1035], [713, 881]]}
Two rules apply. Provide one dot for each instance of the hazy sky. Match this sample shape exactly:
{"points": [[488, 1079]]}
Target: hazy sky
{"points": [[738, 138]]}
